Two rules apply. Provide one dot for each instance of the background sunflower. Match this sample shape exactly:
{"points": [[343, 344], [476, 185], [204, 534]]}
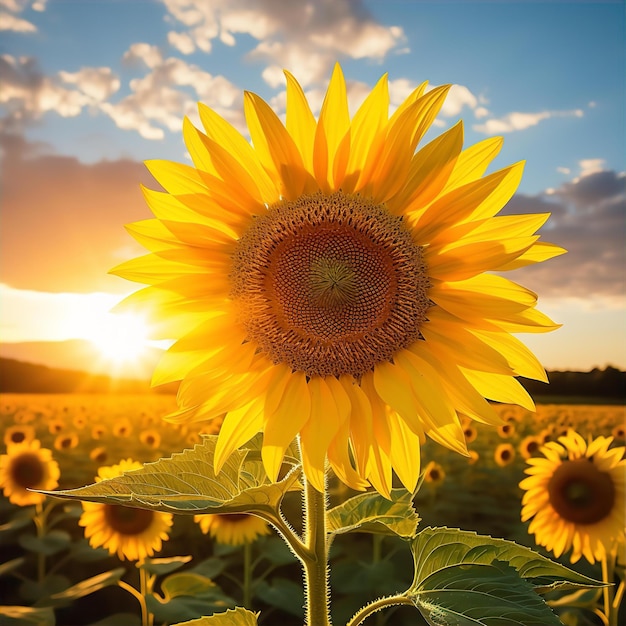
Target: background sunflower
{"points": [[574, 496], [233, 529]]}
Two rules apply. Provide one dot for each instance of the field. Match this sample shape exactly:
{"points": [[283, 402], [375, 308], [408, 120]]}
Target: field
{"points": [[85, 432]]}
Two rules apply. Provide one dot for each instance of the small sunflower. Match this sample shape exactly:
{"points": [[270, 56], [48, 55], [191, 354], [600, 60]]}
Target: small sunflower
{"points": [[133, 534], [434, 473], [506, 430], [18, 434], [529, 446], [575, 496], [330, 283], [25, 466], [66, 441], [233, 529], [504, 454], [150, 438]]}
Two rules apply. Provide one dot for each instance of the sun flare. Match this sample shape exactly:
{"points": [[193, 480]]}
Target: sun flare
{"points": [[121, 337]]}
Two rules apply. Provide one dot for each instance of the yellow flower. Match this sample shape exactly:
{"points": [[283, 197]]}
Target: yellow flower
{"points": [[506, 430], [133, 534], [434, 473], [66, 441], [575, 496], [233, 528], [328, 282], [18, 434], [25, 466], [150, 438], [529, 446], [504, 454]]}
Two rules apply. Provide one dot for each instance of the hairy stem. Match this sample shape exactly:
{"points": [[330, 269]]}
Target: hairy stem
{"points": [[377, 605], [315, 565]]}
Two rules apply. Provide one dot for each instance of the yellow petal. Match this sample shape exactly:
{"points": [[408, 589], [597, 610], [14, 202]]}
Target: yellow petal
{"points": [[368, 124], [473, 162], [274, 145], [285, 415], [300, 121], [224, 134], [499, 388], [537, 253], [332, 136], [318, 432], [405, 451], [238, 427], [177, 178]]}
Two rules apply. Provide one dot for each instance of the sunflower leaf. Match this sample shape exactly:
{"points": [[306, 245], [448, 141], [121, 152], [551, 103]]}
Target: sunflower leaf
{"points": [[435, 549], [186, 483], [481, 595], [372, 513], [88, 586], [234, 617]]}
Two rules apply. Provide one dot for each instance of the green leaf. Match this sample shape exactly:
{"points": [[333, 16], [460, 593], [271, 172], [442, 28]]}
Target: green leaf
{"points": [[53, 542], [437, 548], [284, 594], [164, 565], [187, 596], [186, 483], [9, 566], [372, 513], [90, 585], [234, 617], [39, 592], [481, 595], [43, 616]]}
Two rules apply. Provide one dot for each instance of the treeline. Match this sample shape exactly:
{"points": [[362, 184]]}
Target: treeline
{"points": [[20, 377], [609, 383]]}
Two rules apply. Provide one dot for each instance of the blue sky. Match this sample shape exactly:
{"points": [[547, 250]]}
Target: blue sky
{"points": [[91, 89]]}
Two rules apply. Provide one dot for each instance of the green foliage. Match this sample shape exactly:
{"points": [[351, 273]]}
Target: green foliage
{"points": [[186, 483], [464, 579], [372, 513], [22, 615], [235, 617]]}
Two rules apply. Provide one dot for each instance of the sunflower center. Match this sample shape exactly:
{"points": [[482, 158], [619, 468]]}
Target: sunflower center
{"points": [[27, 470], [330, 285], [127, 520], [580, 492]]}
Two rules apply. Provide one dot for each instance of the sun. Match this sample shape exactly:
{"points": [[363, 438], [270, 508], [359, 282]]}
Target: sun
{"points": [[120, 337]]}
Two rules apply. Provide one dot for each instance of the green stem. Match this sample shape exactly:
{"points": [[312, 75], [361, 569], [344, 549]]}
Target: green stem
{"points": [[247, 575], [40, 519], [315, 566], [608, 572], [377, 605], [139, 597]]}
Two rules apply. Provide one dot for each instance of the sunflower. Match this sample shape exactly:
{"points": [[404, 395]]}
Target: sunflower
{"points": [[233, 529], [529, 446], [434, 473], [25, 466], [66, 441], [575, 496], [504, 454], [18, 434], [131, 533], [328, 282]]}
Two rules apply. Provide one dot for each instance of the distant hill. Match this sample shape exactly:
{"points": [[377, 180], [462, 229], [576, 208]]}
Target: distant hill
{"points": [[79, 355], [20, 377]]}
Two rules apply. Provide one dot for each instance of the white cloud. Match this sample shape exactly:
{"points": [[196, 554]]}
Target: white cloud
{"points": [[169, 91], [16, 24], [520, 121], [564, 170], [98, 83], [181, 41], [304, 37], [459, 96], [590, 166]]}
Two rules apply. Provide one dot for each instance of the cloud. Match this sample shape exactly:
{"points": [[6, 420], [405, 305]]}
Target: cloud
{"points": [[170, 90], [588, 219], [62, 222], [27, 94], [16, 24], [520, 121], [303, 37]]}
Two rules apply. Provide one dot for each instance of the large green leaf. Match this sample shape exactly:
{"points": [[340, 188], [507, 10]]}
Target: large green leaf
{"points": [[481, 595], [435, 549], [234, 617], [186, 483], [372, 513], [21, 615]]}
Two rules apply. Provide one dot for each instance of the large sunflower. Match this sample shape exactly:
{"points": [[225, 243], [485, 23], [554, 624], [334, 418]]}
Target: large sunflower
{"points": [[575, 496], [130, 532], [329, 282], [25, 466], [233, 529]]}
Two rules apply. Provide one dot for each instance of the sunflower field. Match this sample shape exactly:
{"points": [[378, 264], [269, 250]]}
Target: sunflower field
{"points": [[172, 568]]}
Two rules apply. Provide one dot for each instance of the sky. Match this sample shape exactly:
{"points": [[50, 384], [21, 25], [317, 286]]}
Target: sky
{"points": [[91, 89]]}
